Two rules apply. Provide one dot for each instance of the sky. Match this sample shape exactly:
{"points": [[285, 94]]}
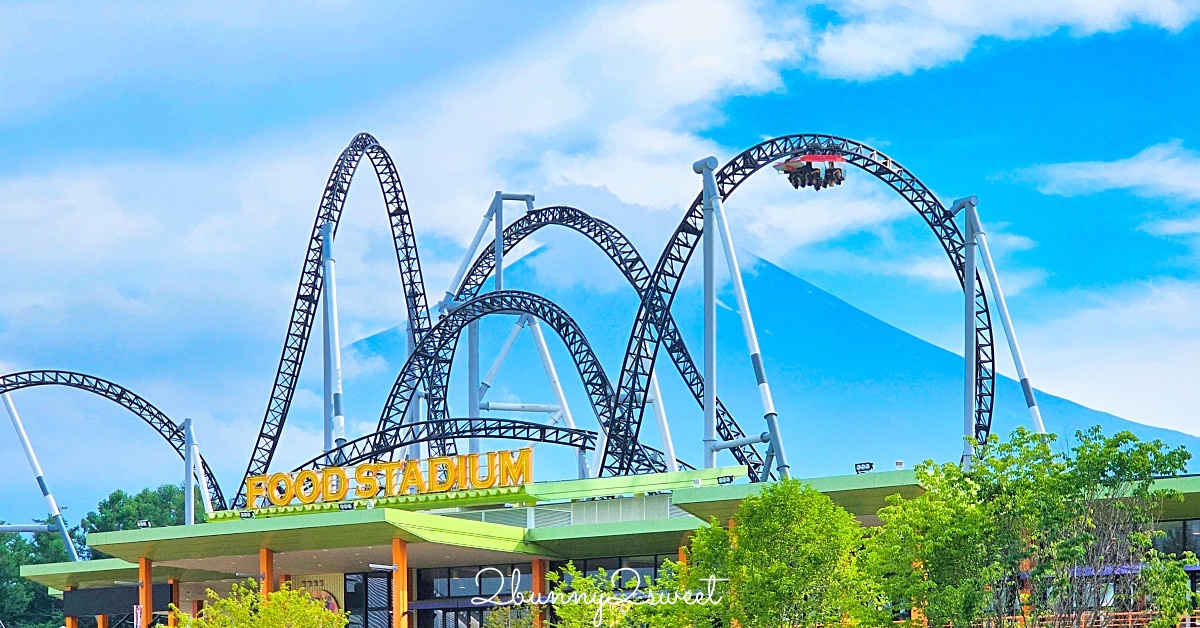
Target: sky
{"points": [[161, 164]]}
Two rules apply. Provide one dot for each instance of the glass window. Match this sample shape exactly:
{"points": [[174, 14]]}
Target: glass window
{"points": [[356, 592], [495, 580], [643, 565], [1172, 541], [526, 569], [462, 582], [1192, 535], [432, 583], [609, 565]]}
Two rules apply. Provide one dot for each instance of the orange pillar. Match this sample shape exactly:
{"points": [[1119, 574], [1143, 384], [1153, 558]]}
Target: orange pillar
{"points": [[101, 621], [682, 555], [197, 606], [266, 570], [400, 584], [539, 589], [146, 591], [172, 620], [70, 622], [285, 579]]}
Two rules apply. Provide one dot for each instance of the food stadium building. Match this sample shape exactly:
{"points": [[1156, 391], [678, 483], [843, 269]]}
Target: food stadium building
{"points": [[411, 560]]}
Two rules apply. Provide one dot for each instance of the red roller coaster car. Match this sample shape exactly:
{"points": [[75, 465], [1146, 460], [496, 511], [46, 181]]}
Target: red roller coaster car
{"points": [[801, 172]]}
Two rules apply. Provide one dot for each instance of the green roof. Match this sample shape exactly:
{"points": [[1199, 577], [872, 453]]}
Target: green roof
{"points": [[862, 494], [106, 572]]}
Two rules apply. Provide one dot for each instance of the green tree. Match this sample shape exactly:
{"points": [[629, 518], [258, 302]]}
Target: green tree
{"points": [[162, 506], [245, 606], [930, 555], [23, 603], [508, 617], [790, 560], [588, 601]]}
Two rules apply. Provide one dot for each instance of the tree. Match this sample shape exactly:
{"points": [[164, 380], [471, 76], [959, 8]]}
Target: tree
{"points": [[790, 560], [162, 506], [930, 556], [246, 606], [508, 617], [24, 603]]}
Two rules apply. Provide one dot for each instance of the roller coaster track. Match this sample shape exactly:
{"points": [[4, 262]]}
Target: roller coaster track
{"points": [[662, 286], [121, 396], [428, 351], [629, 262], [308, 293], [362, 449]]}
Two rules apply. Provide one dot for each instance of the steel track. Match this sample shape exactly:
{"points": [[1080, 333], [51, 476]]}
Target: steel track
{"points": [[122, 396], [629, 262], [663, 284], [308, 293]]}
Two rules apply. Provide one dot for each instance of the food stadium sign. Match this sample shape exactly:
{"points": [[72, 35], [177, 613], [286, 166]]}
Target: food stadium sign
{"points": [[390, 479]]}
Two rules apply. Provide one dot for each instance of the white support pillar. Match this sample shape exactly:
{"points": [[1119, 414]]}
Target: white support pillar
{"points": [[539, 340], [498, 245], [473, 379], [486, 384], [335, 422], [413, 414], [1010, 333], [969, 340], [706, 168], [51, 504], [189, 475], [710, 316], [660, 418]]}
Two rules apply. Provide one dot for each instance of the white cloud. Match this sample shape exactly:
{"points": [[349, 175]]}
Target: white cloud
{"points": [[1167, 171], [878, 37], [1130, 351]]}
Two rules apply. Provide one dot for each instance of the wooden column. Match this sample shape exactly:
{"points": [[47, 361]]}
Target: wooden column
{"points": [[285, 579], [400, 584], [197, 606], [146, 591], [70, 622], [172, 620], [266, 569], [682, 555], [101, 621], [539, 590]]}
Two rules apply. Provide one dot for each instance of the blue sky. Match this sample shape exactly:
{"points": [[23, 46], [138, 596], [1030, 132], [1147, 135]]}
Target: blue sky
{"points": [[160, 166]]}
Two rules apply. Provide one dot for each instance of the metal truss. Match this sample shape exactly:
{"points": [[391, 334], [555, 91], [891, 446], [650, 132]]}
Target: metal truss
{"points": [[308, 293], [429, 349], [629, 262], [122, 396], [647, 334]]}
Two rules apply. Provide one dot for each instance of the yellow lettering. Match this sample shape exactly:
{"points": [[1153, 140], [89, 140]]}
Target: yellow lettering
{"points": [[518, 469], [280, 490], [492, 471], [412, 478], [307, 486], [387, 472], [464, 469], [256, 487], [368, 484], [443, 474], [331, 492]]}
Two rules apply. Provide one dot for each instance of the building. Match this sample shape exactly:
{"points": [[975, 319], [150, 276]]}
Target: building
{"points": [[418, 555]]}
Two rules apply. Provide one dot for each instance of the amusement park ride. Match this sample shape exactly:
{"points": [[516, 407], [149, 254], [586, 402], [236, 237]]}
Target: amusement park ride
{"points": [[416, 416]]}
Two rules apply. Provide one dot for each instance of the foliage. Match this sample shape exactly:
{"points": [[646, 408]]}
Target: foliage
{"points": [[1167, 585], [245, 606], [930, 555], [23, 603], [1068, 523], [160, 507], [508, 617], [790, 559], [591, 601]]}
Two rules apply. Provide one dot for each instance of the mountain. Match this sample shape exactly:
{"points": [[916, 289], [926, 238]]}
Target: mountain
{"points": [[848, 387]]}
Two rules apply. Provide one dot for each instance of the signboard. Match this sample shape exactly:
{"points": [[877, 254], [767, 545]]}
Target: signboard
{"points": [[329, 588], [389, 479]]}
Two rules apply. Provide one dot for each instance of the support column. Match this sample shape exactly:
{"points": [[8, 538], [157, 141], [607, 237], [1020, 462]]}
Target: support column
{"points": [[284, 580], [400, 584], [266, 570], [539, 589], [172, 619], [101, 621], [682, 555], [197, 607], [145, 591], [969, 339], [70, 622]]}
